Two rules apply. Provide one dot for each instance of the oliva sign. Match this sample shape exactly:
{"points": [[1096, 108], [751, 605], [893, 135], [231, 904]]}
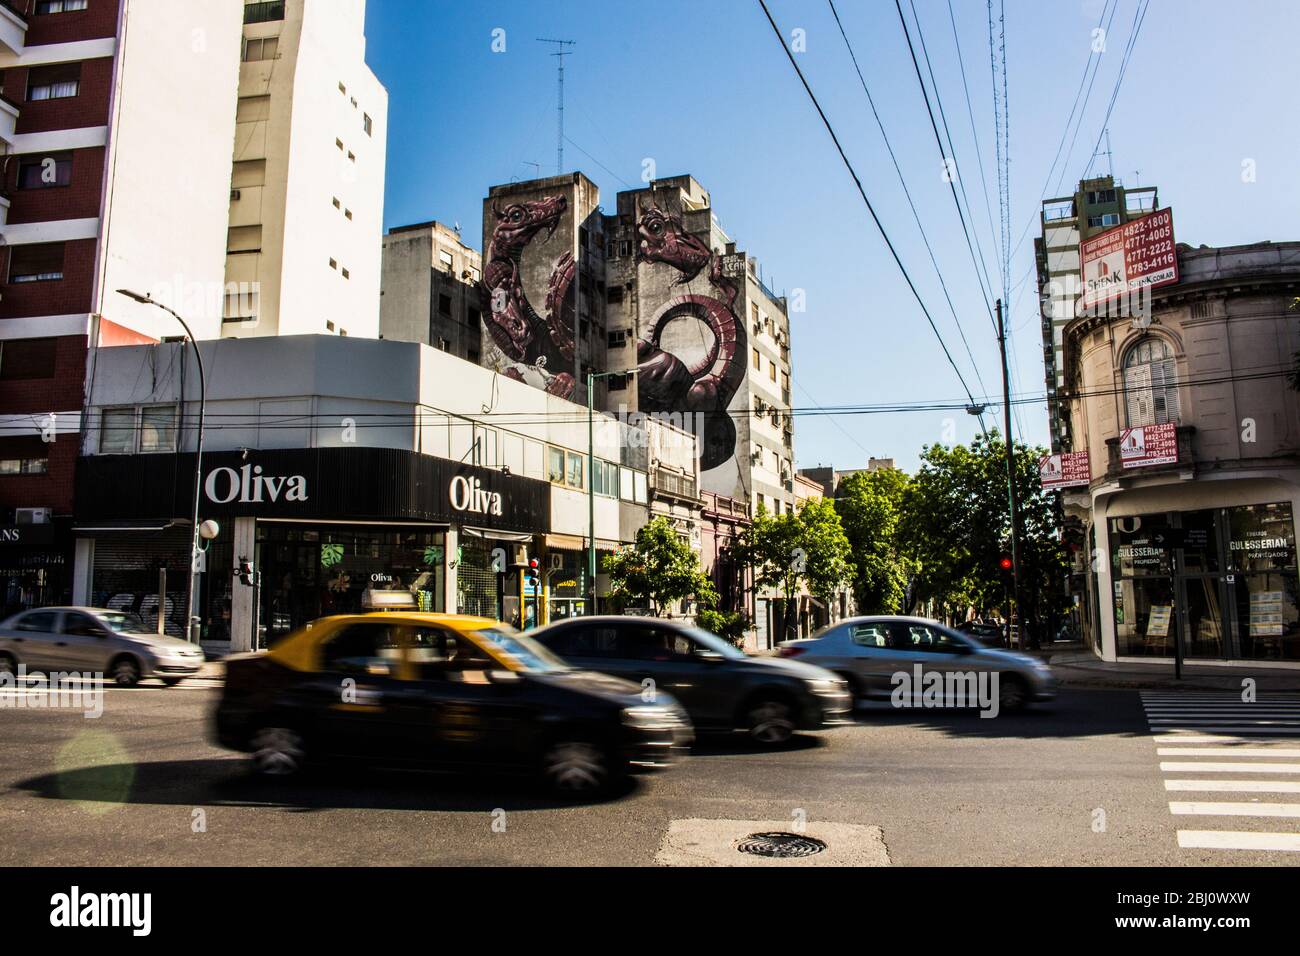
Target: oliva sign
{"points": [[249, 486], [467, 494]]}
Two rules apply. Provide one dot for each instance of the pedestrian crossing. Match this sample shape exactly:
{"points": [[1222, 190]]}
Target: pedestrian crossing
{"points": [[1230, 765]]}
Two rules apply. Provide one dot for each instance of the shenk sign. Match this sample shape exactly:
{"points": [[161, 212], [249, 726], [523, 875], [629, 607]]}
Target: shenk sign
{"points": [[1066, 470], [329, 484], [1120, 262]]}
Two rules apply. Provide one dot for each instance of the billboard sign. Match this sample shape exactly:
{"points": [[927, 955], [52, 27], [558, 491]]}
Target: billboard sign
{"points": [[1066, 470], [1149, 445], [1137, 255]]}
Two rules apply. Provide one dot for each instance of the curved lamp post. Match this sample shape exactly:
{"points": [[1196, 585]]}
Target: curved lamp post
{"points": [[196, 549]]}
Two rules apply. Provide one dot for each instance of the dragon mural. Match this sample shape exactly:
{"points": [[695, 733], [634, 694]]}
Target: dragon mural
{"points": [[665, 382], [539, 349]]}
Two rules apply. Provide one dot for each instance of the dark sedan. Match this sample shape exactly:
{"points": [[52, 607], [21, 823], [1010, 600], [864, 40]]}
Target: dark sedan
{"points": [[444, 691], [721, 687]]}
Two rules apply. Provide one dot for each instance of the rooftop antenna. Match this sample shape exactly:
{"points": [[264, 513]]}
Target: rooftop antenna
{"points": [[559, 54]]}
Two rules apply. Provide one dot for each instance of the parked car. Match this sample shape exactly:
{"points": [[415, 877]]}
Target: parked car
{"points": [[988, 633], [721, 687], [440, 691], [94, 640], [869, 651]]}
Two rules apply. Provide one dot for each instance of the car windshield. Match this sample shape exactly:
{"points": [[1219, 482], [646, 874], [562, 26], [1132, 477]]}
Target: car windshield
{"points": [[711, 642], [121, 622], [522, 650]]}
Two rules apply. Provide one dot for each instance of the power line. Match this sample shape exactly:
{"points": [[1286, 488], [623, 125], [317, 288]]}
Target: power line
{"points": [[985, 285], [906, 192], [863, 193]]}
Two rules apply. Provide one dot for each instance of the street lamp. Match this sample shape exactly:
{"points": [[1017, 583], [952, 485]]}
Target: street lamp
{"points": [[191, 621], [591, 480]]}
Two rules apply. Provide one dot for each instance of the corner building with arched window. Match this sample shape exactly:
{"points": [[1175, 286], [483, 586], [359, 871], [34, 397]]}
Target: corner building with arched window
{"points": [[1186, 530]]}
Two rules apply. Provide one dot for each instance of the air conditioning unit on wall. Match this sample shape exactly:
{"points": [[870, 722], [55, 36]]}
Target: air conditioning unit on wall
{"points": [[32, 515]]}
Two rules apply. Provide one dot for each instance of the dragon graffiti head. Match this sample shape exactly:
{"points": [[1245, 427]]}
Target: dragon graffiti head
{"points": [[663, 238], [519, 222]]}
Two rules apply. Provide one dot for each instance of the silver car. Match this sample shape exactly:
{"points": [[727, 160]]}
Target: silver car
{"points": [[94, 640], [873, 654]]}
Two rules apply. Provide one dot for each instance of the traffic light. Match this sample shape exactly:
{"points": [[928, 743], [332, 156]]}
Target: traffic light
{"points": [[533, 570], [1006, 564], [245, 572]]}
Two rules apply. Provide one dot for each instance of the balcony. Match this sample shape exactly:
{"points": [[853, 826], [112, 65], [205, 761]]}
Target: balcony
{"points": [[266, 12], [8, 123], [13, 28]]}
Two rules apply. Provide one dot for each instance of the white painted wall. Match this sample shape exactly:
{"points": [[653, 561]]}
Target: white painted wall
{"points": [[165, 209]]}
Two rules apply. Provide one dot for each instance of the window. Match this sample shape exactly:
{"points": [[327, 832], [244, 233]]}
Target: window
{"points": [[81, 625], [758, 360], [771, 371], [1097, 197], [555, 465], [1109, 219], [43, 172], [40, 621], [368, 124], [36, 263], [117, 431], [346, 274], [27, 359], [59, 6], [343, 89], [264, 12], [1150, 383], [362, 649], [347, 213], [339, 144], [617, 340], [158, 428], [337, 204], [444, 304], [334, 264], [55, 82], [475, 275], [573, 477], [260, 49], [24, 466], [614, 295], [445, 259], [618, 383]]}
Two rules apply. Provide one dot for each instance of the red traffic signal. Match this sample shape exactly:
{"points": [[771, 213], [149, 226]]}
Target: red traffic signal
{"points": [[1005, 564]]}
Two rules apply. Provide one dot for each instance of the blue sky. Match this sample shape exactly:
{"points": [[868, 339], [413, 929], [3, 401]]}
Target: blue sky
{"points": [[704, 88]]}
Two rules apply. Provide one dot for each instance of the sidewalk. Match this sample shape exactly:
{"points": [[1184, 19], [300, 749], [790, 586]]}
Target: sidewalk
{"points": [[1076, 666]]}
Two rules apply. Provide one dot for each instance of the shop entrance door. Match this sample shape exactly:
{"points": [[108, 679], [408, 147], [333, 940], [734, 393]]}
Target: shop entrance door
{"points": [[1203, 599]]}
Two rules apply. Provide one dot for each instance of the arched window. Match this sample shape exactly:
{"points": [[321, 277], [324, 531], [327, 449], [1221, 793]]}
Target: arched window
{"points": [[1150, 383]]}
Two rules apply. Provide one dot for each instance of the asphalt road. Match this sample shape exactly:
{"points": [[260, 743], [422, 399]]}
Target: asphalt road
{"points": [[1075, 782]]}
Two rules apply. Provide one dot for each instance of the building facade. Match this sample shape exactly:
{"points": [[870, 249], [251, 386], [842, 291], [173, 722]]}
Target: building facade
{"points": [[413, 472], [1185, 535], [1097, 205], [430, 290], [115, 120], [303, 251]]}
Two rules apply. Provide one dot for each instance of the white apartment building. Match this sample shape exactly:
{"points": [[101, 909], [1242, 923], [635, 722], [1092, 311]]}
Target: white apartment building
{"points": [[307, 185]]}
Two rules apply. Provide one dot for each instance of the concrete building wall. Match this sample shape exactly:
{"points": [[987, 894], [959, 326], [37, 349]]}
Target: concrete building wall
{"points": [[309, 160], [430, 290]]}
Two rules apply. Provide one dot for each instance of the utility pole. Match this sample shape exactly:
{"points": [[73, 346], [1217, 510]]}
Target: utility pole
{"points": [[1011, 483], [559, 54]]}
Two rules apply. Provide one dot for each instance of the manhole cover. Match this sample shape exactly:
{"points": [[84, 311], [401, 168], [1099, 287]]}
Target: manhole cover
{"points": [[780, 844]]}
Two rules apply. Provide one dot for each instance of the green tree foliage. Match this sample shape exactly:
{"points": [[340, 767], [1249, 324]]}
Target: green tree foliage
{"points": [[870, 504], [659, 570]]}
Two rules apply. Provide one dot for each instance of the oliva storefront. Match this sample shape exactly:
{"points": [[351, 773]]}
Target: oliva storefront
{"points": [[327, 531], [1220, 580]]}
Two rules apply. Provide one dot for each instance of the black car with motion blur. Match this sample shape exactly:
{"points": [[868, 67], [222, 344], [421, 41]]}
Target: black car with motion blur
{"points": [[988, 633], [721, 687], [442, 691]]}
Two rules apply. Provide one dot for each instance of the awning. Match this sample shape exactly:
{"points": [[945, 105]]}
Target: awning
{"points": [[515, 537], [160, 524], [573, 542]]}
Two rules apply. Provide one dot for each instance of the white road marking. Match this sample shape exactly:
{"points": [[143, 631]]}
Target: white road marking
{"points": [[1238, 840], [1181, 808], [1206, 766], [1227, 752], [1235, 786]]}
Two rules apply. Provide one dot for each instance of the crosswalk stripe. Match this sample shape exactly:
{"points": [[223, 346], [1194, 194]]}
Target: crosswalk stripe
{"points": [[1207, 766], [1236, 786], [1281, 733], [1227, 752], [1270, 722], [1236, 809], [1238, 840], [1179, 737]]}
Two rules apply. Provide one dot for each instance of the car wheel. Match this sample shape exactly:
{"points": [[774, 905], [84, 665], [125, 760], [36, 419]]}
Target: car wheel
{"points": [[1012, 693], [576, 766], [770, 722], [126, 672], [278, 751]]}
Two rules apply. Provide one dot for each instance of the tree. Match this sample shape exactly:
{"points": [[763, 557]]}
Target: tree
{"points": [[660, 569], [870, 504], [956, 524], [789, 550]]}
